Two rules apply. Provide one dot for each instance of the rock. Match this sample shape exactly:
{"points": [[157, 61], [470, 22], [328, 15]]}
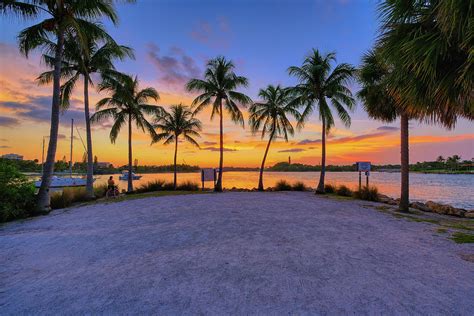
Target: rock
{"points": [[445, 209], [420, 206], [469, 214], [386, 199]]}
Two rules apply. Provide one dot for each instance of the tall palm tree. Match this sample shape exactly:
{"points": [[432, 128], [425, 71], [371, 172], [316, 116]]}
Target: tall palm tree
{"points": [[218, 87], [61, 18], [127, 103], [319, 83], [432, 42], [180, 122], [271, 116], [82, 62]]}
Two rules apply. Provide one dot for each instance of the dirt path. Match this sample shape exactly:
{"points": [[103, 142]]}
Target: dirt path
{"points": [[231, 253]]}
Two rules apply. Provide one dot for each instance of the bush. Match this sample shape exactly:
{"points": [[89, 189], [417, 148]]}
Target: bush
{"points": [[17, 193], [67, 197], [329, 188], [100, 190], [188, 186], [343, 190], [151, 186], [299, 186], [168, 186], [282, 185], [367, 193]]}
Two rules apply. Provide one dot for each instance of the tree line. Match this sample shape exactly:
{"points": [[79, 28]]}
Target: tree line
{"points": [[420, 69]]}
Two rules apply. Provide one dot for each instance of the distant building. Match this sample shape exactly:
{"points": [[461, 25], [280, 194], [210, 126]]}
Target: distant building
{"points": [[12, 157], [102, 165]]}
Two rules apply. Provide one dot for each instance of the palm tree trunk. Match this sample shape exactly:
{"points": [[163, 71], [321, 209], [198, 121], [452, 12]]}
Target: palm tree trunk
{"points": [[218, 187], [130, 177], [175, 156], [43, 197], [405, 164], [260, 179], [320, 188], [90, 161]]}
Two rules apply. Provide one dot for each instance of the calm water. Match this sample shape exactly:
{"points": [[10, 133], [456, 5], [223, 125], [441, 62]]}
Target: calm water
{"points": [[445, 188]]}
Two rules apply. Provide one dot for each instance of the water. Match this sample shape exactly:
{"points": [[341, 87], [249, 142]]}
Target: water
{"points": [[453, 189]]}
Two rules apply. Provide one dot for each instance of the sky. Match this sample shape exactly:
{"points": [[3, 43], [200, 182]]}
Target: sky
{"points": [[172, 41]]}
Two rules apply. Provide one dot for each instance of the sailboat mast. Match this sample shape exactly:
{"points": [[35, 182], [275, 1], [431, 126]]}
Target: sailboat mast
{"points": [[72, 137]]}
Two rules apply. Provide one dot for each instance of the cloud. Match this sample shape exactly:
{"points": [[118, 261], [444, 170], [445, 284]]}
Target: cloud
{"points": [[215, 33], [348, 139], [175, 68], [8, 121], [5, 146], [293, 150], [209, 143], [388, 128], [217, 149], [309, 142]]}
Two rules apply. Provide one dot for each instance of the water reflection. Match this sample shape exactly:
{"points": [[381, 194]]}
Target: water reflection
{"points": [[444, 188]]}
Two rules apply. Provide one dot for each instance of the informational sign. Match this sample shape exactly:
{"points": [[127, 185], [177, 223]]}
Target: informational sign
{"points": [[363, 166], [208, 174]]}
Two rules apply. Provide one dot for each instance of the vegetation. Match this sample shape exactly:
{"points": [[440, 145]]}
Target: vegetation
{"points": [[17, 194], [80, 61], [370, 193], [343, 190], [180, 122], [282, 185], [161, 185], [318, 83], [299, 186], [61, 19], [462, 238], [271, 116], [329, 188], [127, 104], [68, 196], [218, 88]]}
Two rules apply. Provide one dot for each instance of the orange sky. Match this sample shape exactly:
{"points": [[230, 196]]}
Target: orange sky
{"points": [[24, 121]]}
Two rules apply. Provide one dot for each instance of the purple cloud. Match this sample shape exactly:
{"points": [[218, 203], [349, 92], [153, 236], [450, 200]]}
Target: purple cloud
{"points": [[217, 149], [293, 150], [388, 128], [8, 121]]}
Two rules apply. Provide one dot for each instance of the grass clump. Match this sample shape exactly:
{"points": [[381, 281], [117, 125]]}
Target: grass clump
{"points": [[100, 190], [367, 193], [462, 238], [188, 186], [329, 188], [67, 197], [283, 185], [299, 186], [151, 186], [343, 190], [442, 230]]}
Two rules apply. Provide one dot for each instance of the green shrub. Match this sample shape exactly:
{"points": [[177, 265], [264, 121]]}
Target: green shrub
{"points": [[100, 190], [299, 186], [282, 185], [367, 193], [188, 186], [151, 186], [329, 188], [67, 197], [343, 190], [17, 193]]}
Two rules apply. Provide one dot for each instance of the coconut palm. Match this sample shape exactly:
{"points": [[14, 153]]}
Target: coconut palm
{"points": [[82, 62], [271, 115], [172, 125], [60, 18], [219, 89], [432, 42], [127, 103], [321, 84]]}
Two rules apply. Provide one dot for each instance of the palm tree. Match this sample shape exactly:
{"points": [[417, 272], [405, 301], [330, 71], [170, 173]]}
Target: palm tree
{"points": [[218, 87], [318, 83], [79, 61], [172, 125], [62, 18], [271, 116], [126, 104], [432, 42]]}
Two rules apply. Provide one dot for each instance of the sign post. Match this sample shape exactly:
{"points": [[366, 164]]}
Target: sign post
{"points": [[363, 166], [208, 174]]}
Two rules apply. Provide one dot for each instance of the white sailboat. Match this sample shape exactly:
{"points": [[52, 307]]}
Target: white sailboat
{"points": [[62, 182], [124, 176]]}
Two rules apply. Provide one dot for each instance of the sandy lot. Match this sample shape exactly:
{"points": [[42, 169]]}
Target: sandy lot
{"points": [[231, 253]]}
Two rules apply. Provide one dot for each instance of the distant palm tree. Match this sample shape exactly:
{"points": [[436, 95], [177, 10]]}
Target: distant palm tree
{"points": [[62, 18], [172, 125], [430, 42], [79, 61], [218, 88], [126, 104], [319, 83], [271, 116]]}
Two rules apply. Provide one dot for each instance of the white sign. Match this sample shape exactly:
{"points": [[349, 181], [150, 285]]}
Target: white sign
{"points": [[207, 174], [363, 166]]}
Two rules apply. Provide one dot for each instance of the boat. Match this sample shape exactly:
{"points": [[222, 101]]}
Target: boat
{"points": [[63, 182], [124, 176]]}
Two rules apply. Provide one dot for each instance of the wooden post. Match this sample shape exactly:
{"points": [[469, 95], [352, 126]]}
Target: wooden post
{"points": [[360, 180], [367, 179]]}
